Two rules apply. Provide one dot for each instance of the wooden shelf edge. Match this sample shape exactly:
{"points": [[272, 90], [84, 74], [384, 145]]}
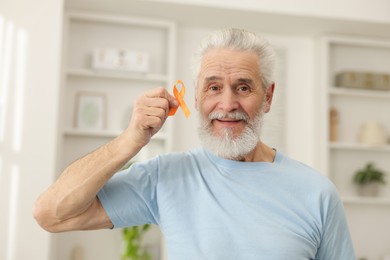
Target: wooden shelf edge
{"points": [[97, 17], [355, 200], [104, 134], [359, 147], [367, 93], [116, 75]]}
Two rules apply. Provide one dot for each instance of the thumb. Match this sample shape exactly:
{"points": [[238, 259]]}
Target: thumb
{"points": [[172, 101]]}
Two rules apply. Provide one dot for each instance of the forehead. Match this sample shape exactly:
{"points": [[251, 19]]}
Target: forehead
{"points": [[222, 63]]}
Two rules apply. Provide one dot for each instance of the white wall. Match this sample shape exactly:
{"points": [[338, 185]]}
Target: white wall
{"points": [[360, 10], [30, 38]]}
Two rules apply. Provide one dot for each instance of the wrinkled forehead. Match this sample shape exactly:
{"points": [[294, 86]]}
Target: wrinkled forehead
{"points": [[222, 63]]}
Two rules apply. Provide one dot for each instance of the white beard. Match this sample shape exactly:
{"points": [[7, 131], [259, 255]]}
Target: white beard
{"points": [[227, 146]]}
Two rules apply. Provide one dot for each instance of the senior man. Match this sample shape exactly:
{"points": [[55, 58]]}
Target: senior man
{"points": [[232, 198]]}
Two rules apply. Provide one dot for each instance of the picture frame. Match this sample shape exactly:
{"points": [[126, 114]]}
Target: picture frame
{"points": [[90, 111]]}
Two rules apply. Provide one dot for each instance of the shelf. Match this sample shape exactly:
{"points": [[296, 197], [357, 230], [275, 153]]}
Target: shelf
{"points": [[360, 147], [340, 91], [118, 75], [104, 134], [119, 20], [379, 201]]}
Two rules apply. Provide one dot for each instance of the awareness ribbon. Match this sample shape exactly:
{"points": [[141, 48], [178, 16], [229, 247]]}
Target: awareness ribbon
{"points": [[179, 97]]}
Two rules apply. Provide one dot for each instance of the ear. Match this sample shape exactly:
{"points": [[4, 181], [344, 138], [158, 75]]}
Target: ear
{"points": [[196, 99], [268, 98]]}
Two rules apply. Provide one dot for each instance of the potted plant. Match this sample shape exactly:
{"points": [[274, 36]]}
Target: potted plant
{"points": [[132, 238], [369, 180]]}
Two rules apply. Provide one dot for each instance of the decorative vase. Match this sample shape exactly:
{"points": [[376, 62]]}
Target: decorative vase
{"points": [[369, 189], [372, 133]]}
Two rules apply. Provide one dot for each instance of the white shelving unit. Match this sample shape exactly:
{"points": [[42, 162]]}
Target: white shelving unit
{"points": [[343, 157], [83, 32]]}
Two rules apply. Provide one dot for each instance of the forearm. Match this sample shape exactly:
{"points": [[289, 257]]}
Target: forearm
{"points": [[82, 180], [71, 202], [76, 188]]}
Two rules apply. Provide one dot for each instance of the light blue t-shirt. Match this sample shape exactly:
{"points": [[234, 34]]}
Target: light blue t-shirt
{"points": [[212, 208]]}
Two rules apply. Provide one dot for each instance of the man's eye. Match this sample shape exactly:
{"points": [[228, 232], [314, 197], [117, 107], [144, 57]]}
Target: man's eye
{"points": [[214, 88], [243, 88]]}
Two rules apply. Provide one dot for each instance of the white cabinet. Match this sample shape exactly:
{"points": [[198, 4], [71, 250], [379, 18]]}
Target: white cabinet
{"points": [[84, 33], [368, 217]]}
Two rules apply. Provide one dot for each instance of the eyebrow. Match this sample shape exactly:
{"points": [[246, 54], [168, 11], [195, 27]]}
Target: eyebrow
{"points": [[240, 80], [212, 78], [245, 80]]}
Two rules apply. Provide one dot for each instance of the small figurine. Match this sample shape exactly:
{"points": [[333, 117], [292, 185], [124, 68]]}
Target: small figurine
{"points": [[334, 121]]}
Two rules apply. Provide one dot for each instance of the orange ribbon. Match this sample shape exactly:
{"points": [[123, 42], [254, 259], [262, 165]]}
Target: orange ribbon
{"points": [[179, 97]]}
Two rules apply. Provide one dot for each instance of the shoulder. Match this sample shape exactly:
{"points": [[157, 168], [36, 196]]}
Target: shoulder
{"points": [[175, 162], [301, 170], [309, 179], [178, 158]]}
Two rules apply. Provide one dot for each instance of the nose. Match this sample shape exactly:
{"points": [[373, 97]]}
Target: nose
{"points": [[228, 101]]}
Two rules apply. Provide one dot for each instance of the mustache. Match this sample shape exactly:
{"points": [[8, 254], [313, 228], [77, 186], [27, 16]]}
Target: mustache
{"points": [[236, 115]]}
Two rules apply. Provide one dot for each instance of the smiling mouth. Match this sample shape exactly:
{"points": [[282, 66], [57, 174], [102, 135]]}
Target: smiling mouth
{"points": [[228, 122]]}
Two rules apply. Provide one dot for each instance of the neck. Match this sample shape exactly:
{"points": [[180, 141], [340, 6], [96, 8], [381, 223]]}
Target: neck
{"points": [[261, 153]]}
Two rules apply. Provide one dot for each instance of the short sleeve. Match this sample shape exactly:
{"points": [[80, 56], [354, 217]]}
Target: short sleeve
{"points": [[336, 241], [129, 197]]}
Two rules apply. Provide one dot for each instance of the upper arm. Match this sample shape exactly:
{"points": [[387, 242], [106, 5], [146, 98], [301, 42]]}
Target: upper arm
{"points": [[94, 217]]}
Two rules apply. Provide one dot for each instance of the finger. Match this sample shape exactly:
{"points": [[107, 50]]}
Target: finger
{"points": [[172, 101], [156, 112], [153, 106], [152, 122], [157, 92], [148, 117], [163, 93]]}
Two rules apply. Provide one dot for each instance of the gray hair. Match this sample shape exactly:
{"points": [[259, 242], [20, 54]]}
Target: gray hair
{"points": [[241, 40]]}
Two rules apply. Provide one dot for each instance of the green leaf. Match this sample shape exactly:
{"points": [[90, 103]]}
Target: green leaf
{"points": [[132, 237], [369, 174]]}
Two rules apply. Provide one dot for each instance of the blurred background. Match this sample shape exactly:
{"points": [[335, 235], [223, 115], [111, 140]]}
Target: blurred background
{"points": [[71, 70]]}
